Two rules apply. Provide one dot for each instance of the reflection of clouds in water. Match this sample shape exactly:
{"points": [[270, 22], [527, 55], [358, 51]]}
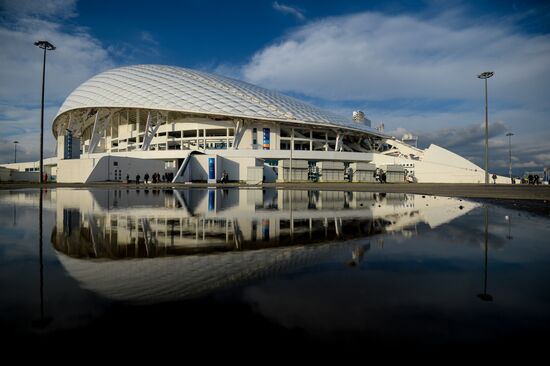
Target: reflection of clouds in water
{"points": [[466, 235], [401, 296], [365, 299], [21, 240], [469, 231]]}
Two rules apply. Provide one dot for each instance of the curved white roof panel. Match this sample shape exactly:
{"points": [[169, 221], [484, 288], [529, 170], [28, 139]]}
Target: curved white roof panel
{"points": [[179, 89]]}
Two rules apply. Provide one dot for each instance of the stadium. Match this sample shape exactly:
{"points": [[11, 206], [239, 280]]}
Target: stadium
{"points": [[191, 126]]}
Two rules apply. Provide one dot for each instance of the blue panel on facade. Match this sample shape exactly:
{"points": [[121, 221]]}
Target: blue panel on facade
{"points": [[266, 139], [68, 146], [211, 168]]}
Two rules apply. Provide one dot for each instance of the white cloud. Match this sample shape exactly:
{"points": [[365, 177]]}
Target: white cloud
{"points": [[148, 37], [468, 140], [78, 57], [419, 74], [375, 56], [23, 124], [286, 9], [50, 9]]}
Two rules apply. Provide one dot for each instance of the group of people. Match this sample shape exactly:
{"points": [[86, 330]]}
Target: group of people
{"points": [[379, 175], [532, 179], [155, 178]]}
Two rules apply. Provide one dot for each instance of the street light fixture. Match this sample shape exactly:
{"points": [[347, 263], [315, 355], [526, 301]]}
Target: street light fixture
{"points": [[15, 151], [510, 134], [46, 46], [486, 75]]}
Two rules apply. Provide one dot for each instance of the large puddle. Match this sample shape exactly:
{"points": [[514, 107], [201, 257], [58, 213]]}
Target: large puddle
{"points": [[313, 266]]}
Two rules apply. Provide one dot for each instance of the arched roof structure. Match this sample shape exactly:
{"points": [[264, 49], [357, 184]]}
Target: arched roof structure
{"points": [[171, 88]]}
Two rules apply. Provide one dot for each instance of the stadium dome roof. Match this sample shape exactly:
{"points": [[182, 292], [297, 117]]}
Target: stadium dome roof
{"points": [[179, 89]]}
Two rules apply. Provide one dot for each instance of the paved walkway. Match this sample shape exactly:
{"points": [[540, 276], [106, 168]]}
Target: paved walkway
{"points": [[494, 191]]}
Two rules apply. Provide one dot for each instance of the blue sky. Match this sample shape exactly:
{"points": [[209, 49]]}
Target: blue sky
{"points": [[411, 65]]}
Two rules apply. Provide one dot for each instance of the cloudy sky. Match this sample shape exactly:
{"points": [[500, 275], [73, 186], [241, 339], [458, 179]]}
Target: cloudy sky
{"points": [[411, 65]]}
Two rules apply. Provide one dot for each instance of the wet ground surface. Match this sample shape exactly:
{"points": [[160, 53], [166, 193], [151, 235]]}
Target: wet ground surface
{"points": [[272, 269], [496, 191]]}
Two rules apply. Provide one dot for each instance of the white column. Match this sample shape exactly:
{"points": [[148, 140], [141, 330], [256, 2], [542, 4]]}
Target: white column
{"points": [[227, 138], [111, 143], [167, 132], [137, 128]]}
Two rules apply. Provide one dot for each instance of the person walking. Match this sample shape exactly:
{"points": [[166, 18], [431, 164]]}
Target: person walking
{"points": [[146, 178], [224, 177], [137, 179]]}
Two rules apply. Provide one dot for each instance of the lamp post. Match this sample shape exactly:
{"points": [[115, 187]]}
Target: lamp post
{"points": [[510, 134], [46, 46], [15, 151], [486, 75]]}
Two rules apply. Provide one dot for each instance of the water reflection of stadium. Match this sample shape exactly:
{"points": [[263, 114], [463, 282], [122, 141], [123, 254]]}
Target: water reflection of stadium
{"points": [[152, 223]]}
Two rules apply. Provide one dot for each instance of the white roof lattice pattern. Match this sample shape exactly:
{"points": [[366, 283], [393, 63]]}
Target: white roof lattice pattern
{"points": [[185, 90], [153, 280]]}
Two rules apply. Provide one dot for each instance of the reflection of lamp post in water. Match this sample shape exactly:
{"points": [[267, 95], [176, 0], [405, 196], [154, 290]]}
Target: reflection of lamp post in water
{"points": [[485, 296], [43, 322], [509, 219]]}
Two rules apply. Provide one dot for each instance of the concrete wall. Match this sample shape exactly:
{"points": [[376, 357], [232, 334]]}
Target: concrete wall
{"points": [[104, 169], [25, 176], [5, 174], [300, 170], [363, 172], [236, 168], [198, 168], [331, 171], [74, 171], [255, 175], [10, 175]]}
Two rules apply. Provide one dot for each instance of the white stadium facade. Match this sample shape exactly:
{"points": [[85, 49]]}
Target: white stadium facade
{"points": [[190, 125]]}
